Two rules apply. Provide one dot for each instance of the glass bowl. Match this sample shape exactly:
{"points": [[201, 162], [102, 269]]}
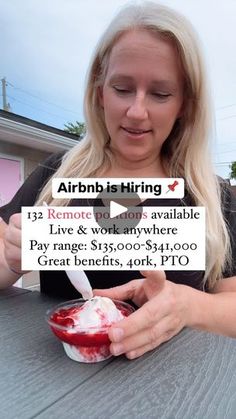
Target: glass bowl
{"points": [[80, 344]]}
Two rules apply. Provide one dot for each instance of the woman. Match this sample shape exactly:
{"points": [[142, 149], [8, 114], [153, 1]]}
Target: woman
{"points": [[147, 115]]}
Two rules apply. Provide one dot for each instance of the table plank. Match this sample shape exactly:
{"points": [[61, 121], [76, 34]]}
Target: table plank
{"points": [[12, 292], [192, 376], [36, 372]]}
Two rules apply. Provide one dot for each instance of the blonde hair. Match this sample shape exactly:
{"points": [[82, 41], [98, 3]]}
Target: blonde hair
{"points": [[185, 152]]}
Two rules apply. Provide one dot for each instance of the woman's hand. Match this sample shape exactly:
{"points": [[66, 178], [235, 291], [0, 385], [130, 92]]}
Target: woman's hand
{"points": [[12, 243], [162, 314]]}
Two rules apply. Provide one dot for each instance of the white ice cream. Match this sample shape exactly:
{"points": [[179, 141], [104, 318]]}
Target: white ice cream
{"points": [[97, 312]]}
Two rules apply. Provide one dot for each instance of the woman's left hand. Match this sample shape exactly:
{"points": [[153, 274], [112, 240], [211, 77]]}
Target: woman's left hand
{"points": [[162, 313]]}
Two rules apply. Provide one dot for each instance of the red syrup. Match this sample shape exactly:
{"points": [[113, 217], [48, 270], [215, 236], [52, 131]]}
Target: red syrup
{"points": [[88, 341]]}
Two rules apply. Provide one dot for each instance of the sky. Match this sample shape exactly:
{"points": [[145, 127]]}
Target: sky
{"points": [[46, 46]]}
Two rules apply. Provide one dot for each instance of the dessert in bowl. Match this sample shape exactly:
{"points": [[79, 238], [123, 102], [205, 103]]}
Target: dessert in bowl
{"points": [[82, 326]]}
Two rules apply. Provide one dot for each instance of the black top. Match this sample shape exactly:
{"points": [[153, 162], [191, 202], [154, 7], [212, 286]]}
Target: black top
{"points": [[56, 282]]}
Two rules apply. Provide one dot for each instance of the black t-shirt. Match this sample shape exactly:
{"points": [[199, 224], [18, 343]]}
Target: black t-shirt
{"points": [[56, 283]]}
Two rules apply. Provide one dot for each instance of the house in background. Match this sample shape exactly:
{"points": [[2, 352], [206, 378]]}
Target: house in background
{"points": [[233, 188], [24, 143]]}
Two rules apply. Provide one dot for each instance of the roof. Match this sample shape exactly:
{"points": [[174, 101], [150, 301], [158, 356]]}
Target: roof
{"points": [[23, 131]]}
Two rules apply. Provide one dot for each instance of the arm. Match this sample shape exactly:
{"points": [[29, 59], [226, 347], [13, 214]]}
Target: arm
{"points": [[10, 237], [215, 312], [10, 251], [165, 309]]}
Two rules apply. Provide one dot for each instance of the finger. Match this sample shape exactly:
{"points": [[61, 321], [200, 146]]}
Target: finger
{"points": [[122, 292], [15, 220], [12, 236], [136, 353], [144, 317], [13, 230], [142, 350], [155, 281], [13, 257], [148, 336], [13, 252]]}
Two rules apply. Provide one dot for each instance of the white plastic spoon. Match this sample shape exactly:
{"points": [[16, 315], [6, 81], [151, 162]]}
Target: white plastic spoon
{"points": [[79, 279]]}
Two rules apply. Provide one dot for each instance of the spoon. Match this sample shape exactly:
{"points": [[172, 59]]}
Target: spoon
{"points": [[79, 279]]}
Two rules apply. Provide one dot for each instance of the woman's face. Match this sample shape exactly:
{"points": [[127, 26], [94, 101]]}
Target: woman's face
{"points": [[142, 95]]}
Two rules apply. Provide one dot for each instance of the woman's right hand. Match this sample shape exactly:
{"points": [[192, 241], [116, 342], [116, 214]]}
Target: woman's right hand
{"points": [[12, 244]]}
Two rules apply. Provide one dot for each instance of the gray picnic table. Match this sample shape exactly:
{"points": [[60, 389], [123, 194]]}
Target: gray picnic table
{"points": [[193, 376]]}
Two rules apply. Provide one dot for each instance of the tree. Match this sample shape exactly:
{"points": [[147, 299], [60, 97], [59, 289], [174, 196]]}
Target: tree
{"points": [[233, 170], [77, 128]]}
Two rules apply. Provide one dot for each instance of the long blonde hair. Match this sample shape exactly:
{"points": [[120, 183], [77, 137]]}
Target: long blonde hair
{"points": [[185, 152]]}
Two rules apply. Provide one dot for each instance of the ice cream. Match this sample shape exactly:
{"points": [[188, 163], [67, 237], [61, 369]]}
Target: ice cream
{"points": [[83, 326]]}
